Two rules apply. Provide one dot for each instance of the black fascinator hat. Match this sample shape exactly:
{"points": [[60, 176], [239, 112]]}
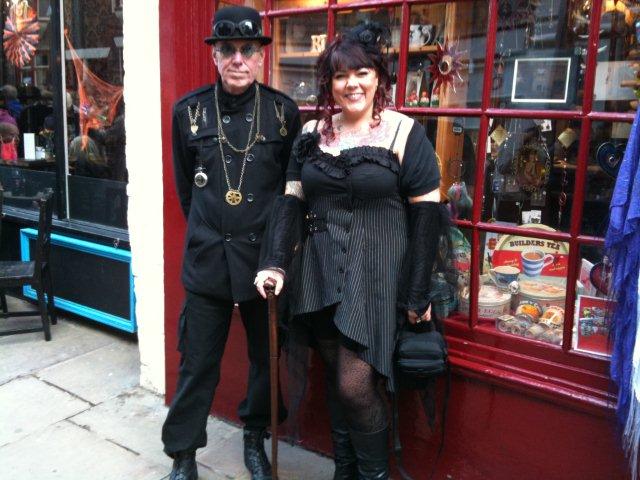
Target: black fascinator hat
{"points": [[372, 35]]}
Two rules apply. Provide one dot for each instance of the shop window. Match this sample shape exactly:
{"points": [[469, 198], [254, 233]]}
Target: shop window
{"points": [[540, 56], [27, 159], [451, 284], [297, 43], [591, 324], [455, 140], [522, 285], [606, 149], [530, 172], [445, 64], [617, 85], [97, 177]]}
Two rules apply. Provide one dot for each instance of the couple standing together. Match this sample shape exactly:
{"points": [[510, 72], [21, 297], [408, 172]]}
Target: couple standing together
{"points": [[362, 179]]}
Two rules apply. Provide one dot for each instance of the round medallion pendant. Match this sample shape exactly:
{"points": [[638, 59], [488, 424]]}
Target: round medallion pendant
{"points": [[194, 129], [233, 197], [283, 131]]}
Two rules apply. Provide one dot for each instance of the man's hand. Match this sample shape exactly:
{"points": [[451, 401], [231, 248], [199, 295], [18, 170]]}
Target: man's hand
{"points": [[414, 318], [272, 277]]}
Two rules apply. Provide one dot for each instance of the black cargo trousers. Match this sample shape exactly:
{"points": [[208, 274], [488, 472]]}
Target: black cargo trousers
{"points": [[203, 331]]}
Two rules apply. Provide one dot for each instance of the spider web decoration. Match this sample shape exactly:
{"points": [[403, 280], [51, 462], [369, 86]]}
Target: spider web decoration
{"points": [[446, 65], [21, 34], [98, 99]]}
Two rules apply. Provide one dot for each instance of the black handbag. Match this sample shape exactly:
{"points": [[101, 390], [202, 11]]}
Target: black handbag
{"points": [[421, 355], [420, 358]]}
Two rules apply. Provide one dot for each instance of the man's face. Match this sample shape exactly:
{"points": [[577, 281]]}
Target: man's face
{"points": [[238, 63]]}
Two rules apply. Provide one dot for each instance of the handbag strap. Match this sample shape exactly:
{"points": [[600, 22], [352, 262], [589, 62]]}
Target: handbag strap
{"points": [[397, 444]]}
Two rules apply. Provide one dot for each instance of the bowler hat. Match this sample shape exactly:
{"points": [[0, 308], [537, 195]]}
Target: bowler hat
{"points": [[237, 23]]}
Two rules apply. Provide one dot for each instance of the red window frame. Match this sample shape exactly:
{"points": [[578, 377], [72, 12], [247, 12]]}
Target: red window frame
{"points": [[556, 373]]}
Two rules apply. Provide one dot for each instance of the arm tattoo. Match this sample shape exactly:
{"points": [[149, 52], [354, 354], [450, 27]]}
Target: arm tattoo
{"points": [[295, 189]]}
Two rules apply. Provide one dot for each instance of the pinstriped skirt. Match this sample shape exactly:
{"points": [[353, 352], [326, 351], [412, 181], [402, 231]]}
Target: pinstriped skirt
{"points": [[355, 264]]}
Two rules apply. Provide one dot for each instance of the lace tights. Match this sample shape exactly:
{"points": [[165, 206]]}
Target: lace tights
{"points": [[353, 386]]}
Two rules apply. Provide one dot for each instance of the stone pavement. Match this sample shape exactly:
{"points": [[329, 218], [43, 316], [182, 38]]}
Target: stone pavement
{"points": [[72, 409]]}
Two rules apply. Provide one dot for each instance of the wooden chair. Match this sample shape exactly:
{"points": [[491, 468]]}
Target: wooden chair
{"points": [[36, 272]]}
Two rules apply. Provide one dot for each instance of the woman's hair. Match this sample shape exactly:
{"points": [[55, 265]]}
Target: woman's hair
{"points": [[360, 47]]}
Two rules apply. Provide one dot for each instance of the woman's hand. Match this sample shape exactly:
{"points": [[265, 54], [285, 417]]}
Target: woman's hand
{"points": [[414, 318], [269, 276]]}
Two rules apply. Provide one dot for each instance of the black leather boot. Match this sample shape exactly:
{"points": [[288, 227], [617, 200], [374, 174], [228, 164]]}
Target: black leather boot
{"points": [[184, 466], [255, 458], [372, 450], [344, 455]]}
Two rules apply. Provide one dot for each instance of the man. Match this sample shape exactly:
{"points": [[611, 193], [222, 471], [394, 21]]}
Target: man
{"points": [[231, 145]]}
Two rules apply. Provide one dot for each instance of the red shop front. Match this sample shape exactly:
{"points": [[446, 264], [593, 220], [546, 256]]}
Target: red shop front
{"points": [[529, 105]]}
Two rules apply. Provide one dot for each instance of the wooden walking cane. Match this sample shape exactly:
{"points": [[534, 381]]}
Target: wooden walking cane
{"points": [[273, 373]]}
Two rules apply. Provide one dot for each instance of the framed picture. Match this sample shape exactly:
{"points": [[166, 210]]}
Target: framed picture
{"points": [[414, 87], [591, 325], [546, 81]]}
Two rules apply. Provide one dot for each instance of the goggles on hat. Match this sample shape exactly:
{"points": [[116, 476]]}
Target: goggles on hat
{"points": [[227, 28], [247, 50]]}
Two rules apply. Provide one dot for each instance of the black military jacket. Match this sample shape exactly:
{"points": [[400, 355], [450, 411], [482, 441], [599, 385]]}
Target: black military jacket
{"points": [[222, 244]]}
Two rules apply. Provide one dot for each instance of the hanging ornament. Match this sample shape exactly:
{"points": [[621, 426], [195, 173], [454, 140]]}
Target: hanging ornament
{"points": [[445, 65], [21, 33], [499, 135]]}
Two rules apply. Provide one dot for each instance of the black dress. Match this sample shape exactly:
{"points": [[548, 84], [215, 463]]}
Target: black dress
{"points": [[358, 235]]}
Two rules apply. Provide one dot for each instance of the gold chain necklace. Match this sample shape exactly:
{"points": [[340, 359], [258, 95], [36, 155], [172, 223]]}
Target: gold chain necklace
{"points": [[193, 120], [234, 196], [256, 118]]}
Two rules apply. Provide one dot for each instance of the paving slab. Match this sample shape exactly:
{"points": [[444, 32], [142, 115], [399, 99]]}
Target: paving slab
{"points": [[27, 353], [28, 404], [133, 419], [223, 455], [99, 375], [64, 451]]}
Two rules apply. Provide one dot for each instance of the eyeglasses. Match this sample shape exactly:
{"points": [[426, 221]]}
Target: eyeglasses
{"points": [[227, 28], [247, 50]]}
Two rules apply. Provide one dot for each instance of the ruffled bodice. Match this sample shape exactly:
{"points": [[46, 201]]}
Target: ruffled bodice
{"points": [[361, 172]]}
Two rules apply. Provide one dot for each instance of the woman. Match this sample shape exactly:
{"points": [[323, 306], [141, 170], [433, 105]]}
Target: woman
{"points": [[367, 176]]}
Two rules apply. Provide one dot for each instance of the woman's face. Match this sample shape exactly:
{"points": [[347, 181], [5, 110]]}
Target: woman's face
{"points": [[354, 90]]}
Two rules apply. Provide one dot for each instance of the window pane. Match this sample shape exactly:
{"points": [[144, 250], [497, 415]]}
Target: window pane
{"points": [[26, 103], [451, 282], [22, 185], [285, 4], [530, 172], [616, 83], [606, 149], [95, 109], [591, 326], [455, 141], [447, 44], [523, 286], [257, 4], [540, 57], [297, 43], [390, 17]]}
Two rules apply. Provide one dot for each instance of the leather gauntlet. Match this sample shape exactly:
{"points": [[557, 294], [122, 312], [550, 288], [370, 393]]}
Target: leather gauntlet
{"points": [[283, 234], [427, 222]]}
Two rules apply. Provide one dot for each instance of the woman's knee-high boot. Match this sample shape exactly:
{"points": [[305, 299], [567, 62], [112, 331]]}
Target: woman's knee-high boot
{"points": [[372, 451], [343, 452]]}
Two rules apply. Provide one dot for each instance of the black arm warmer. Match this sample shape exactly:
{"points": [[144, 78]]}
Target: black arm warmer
{"points": [[427, 221], [283, 234]]}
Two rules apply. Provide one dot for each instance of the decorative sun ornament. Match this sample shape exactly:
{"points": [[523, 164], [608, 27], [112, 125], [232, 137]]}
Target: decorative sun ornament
{"points": [[21, 33], [446, 65]]}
